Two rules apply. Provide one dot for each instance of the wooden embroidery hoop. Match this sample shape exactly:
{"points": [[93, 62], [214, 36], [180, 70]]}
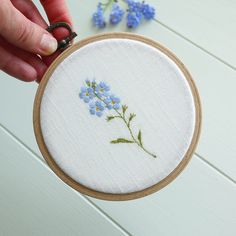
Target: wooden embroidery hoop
{"points": [[81, 188]]}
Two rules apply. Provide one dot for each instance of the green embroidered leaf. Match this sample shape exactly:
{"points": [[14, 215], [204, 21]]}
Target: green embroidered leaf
{"points": [[140, 137], [131, 117], [124, 108], [88, 83], [93, 85], [110, 118], [121, 140]]}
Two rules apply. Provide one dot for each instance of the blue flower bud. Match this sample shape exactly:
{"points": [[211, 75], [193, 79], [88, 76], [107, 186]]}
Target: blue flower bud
{"points": [[116, 14], [98, 17], [148, 12]]}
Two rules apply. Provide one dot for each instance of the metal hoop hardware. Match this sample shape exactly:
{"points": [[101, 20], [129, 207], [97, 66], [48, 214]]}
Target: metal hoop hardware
{"points": [[66, 42]]}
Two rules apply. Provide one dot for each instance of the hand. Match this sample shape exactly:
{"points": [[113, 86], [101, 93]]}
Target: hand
{"points": [[25, 45]]}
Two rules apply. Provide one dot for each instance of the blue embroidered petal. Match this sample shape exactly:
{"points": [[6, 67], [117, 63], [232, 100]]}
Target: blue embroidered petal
{"points": [[99, 113], [104, 86], [81, 95], [92, 105], [116, 106], [109, 106], [83, 89], [86, 99], [90, 92], [107, 100], [106, 94], [99, 105], [92, 111], [116, 99]]}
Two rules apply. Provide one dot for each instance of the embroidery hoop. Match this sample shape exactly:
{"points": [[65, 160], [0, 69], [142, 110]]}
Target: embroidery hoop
{"points": [[71, 182]]}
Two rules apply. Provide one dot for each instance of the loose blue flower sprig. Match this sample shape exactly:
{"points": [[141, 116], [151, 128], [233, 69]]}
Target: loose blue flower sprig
{"points": [[136, 11], [100, 99], [98, 17]]}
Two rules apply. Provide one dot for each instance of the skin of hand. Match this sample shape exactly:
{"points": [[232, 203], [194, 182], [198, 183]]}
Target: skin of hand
{"points": [[26, 48]]}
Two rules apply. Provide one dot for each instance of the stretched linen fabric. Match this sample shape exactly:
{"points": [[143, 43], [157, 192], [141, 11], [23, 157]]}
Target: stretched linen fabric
{"points": [[78, 137]]}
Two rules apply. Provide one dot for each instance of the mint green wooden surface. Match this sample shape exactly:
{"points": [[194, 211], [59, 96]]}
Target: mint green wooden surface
{"points": [[199, 202], [34, 202], [207, 24]]}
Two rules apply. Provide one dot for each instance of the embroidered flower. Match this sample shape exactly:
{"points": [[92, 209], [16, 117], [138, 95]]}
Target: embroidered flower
{"points": [[96, 108], [112, 102], [102, 90], [86, 94]]}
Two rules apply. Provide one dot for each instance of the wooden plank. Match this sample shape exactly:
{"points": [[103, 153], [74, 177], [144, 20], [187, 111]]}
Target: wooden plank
{"points": [[208, 23], [198, 202], [216, 83], [33, 201]]}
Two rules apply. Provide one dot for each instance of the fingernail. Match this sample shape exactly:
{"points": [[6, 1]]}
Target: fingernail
{"points": [[48, 44]]}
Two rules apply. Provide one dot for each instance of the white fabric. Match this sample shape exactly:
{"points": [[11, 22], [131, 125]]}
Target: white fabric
{"points": [[154, 89]]}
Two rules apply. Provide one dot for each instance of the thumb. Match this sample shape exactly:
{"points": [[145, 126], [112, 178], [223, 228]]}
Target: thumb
{"points": [[23, 33]]}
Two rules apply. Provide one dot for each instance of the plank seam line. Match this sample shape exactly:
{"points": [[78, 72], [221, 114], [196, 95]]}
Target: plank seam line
{"points": [[85, 198], [196, 45], [28, 149], [215, 168]]}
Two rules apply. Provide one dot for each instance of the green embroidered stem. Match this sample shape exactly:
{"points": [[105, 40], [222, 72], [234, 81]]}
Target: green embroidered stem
{"points": [[120, 115], [138, 142]]}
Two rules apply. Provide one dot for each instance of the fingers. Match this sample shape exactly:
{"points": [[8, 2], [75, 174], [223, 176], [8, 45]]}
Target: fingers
{"points": [[23, 33], [57, 11], [28, 9], [16, 67], [23, 28], [48, 60], [29, 58]]}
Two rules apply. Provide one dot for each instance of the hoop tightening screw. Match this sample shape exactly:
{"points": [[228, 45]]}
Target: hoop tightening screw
{"points": [[66, 42]]}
